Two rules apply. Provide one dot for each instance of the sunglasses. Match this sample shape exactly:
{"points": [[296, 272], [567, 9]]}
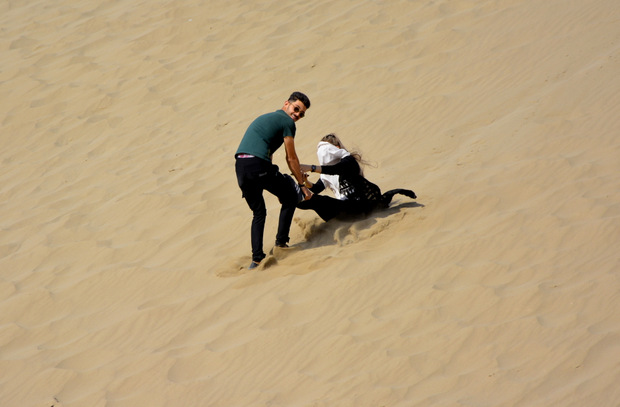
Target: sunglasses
{"points": [[296, 109]]}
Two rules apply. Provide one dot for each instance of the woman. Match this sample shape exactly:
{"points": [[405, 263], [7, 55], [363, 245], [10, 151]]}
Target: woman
{"points": [[341, 172]]}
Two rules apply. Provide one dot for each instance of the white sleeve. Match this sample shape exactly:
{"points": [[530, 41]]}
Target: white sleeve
{"points": [[329, 154]]}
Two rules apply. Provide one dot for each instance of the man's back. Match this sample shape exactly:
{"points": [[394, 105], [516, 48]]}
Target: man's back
{"points": [[266, 134]]}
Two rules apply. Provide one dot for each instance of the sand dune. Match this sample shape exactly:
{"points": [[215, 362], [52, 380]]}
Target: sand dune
{"points": [[124, 239]]}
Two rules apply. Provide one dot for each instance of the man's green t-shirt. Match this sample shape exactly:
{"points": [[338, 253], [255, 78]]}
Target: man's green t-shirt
{"points": [[266, 134]]}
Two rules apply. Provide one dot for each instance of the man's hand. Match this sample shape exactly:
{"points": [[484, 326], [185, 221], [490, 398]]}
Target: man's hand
{"points": [[307, 193]]}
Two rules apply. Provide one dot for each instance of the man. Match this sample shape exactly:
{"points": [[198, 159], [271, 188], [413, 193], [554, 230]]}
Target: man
{"points": [[256, 172]]}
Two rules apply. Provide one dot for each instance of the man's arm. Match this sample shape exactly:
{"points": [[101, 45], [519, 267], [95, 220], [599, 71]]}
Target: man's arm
{"points": [[293, 163]]}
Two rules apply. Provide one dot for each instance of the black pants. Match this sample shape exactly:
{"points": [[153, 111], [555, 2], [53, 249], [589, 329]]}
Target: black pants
{"points": [[255, 175], [328, 208]]}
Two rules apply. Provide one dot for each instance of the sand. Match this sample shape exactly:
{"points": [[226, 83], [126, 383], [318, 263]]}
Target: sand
{"points": [[124, 240]]}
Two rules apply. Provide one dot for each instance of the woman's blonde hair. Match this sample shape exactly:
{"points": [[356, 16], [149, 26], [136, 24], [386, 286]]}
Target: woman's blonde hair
{"points": [[332, 138]]}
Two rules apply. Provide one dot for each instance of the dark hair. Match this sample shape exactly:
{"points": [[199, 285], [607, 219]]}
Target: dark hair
{"points": [[301, 97]]}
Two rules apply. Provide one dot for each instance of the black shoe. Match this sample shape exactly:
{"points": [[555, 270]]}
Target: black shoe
{"points": [[253, 265], [280, 243]]}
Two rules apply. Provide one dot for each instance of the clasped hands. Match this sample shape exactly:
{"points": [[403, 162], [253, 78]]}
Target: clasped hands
{"points": [[307, 193]]}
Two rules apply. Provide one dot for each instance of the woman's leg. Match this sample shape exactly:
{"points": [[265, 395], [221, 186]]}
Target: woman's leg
{"points": [[324, 206], [386, 198]]}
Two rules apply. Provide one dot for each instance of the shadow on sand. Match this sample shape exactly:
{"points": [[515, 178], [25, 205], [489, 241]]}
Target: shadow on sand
{"points": [[343, 231]]}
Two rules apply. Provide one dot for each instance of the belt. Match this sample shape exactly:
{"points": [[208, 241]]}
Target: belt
{"points": [[244, 156]]}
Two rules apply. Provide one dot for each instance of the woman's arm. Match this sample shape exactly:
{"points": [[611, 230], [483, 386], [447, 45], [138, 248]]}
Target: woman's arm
{"points": [[318, 187], [310, 168], [347, 167]]}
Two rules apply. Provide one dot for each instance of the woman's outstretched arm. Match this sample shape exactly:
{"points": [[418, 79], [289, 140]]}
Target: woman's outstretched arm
{"points": [[347, 167]]}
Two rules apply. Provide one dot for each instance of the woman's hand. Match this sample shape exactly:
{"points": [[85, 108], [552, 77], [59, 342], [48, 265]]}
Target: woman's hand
{"points": [[307, 193]]}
